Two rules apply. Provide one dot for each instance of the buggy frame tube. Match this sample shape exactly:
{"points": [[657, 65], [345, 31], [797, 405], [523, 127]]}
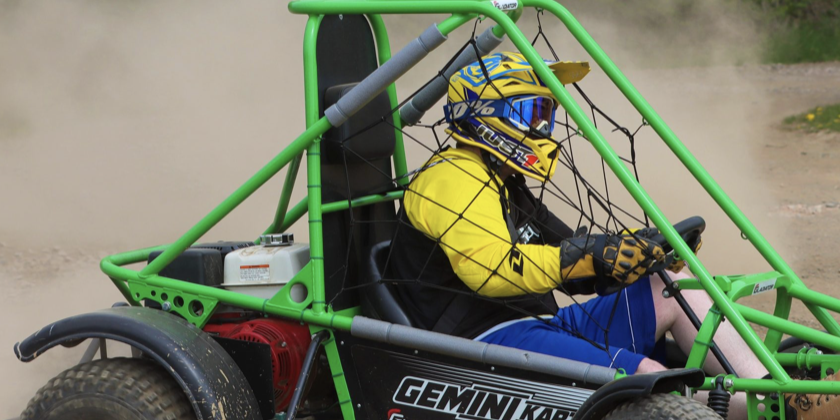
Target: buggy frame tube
{"points": [[237, 197], [313, 163], [285, 196], [111, 266]]}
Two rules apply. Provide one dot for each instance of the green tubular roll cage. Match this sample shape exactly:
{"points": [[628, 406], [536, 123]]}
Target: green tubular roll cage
{"points": [[196, 302]]}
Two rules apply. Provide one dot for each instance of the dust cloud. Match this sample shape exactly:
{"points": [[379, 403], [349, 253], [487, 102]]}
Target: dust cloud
{"points": [[123, 123]]}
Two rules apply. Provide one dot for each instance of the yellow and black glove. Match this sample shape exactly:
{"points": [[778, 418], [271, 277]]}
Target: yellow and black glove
{"points": [[604, 264], [626, 258], [676, 265]]}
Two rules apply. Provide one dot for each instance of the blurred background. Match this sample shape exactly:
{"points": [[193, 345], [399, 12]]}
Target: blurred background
{"points": [[122, 123]]}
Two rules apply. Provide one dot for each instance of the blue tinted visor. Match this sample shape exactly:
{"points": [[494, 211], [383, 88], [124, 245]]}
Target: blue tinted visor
{"points": [[536, 112], [521, 112]]}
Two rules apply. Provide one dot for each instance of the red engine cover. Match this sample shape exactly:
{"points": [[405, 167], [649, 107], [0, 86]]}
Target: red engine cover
{"points": [[288, 340]]}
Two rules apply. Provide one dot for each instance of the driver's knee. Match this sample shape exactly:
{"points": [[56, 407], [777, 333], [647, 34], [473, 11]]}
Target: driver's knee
{"points": [[649, 365], [668, 310]]}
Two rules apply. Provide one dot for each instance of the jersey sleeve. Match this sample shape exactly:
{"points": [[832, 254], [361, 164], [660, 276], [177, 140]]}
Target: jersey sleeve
{"points": [[458, 204]]}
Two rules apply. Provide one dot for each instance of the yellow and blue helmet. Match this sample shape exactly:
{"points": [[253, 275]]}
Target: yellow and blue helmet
{"points": [[510, 112]]}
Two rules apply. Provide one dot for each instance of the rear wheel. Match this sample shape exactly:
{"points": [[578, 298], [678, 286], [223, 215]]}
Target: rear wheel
{"points": [[662, 407], [111, 389]]}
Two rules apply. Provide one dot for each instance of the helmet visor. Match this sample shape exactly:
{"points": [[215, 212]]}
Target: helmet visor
{"points": [[532, 112]]}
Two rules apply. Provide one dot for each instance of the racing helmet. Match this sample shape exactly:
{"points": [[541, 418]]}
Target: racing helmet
{"points": [[509, 113]]}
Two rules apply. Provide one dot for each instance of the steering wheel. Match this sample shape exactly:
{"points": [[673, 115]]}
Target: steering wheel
{"points": [[689, 229]]}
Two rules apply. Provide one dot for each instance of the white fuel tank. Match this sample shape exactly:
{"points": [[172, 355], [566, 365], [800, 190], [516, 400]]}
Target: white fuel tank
{"points": [[261, 270]]}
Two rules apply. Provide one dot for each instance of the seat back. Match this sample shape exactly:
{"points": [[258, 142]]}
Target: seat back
{"points": [[355, 159]]}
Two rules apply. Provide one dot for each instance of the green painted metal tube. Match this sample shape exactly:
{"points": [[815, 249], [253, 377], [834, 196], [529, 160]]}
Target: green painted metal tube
{"points": [[514, 15], [703, 341], [313, 203], [768, 386], [238, 196], [313, 164], [454, 22], [383, 46], [812, 360], [310, 70], [789, 327], [286, 195], [810, 296], [109, 263], [361, 201], [110, 266], [295, 214], [824, 317], [624, 175], [316, 227], [817, 303], [781, 310], [468, 9], [301, 207]]}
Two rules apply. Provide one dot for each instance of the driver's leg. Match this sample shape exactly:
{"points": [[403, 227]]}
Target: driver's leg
{"points": [[670, 317]]}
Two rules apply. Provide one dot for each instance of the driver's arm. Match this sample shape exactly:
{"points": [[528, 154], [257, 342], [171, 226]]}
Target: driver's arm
{"points": [[451, 201]]}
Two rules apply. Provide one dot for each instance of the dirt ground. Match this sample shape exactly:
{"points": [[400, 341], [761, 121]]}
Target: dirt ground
{"points": [[128, 132]]}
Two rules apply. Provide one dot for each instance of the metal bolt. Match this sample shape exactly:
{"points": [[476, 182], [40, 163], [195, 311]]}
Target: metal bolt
{"points": [[666, 293], [166, 306], [283, 344], [416, 351], [340, 17], [342, 343], [574, 383], [818, 352], [675, 285], [727, 383], [492, 368], [358, 406]]}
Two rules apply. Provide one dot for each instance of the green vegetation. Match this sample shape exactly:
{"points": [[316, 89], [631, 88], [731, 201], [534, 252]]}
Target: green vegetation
{"points": [[817, 119], [800, 30], [804, 43]]}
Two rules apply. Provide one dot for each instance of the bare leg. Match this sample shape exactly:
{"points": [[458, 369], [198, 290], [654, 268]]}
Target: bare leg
{"points": [[670, 317]]}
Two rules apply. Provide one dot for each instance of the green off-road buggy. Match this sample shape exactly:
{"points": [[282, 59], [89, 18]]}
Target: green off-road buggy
{"points": [[278, 329]]}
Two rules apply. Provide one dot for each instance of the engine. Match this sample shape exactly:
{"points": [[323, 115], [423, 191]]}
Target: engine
{"points": [[288, 340]]}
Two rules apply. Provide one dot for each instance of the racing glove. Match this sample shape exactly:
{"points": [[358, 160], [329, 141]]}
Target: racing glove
{"points": [[677, 264], [594, 263]]}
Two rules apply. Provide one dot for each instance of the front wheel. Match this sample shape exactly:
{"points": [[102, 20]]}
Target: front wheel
{"points": [[111, 389], [662, 407]]}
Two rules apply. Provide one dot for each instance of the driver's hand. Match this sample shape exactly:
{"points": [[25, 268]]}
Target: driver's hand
{"points": [[626, 258], [676, 265]]}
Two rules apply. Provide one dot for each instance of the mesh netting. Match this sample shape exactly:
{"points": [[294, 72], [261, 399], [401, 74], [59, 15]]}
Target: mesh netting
{"points": [[588, 198]]}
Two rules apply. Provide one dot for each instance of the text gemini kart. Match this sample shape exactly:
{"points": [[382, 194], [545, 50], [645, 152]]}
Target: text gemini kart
{"points": [[274, 329]]}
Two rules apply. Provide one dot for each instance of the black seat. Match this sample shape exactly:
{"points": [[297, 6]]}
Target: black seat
{"points": [[378, 298], [356, 161]]}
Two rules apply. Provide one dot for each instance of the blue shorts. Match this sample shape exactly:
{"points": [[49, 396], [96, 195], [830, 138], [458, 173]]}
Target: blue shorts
{"points": [[631, 336]]}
